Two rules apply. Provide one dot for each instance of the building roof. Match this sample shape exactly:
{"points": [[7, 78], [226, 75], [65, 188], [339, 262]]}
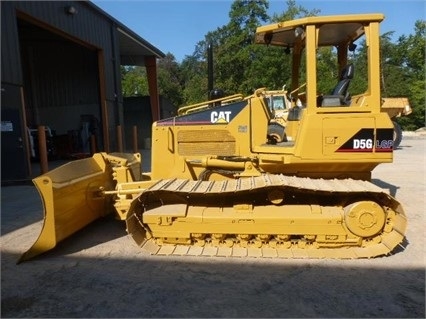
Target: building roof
{"points": [[133, 48]]}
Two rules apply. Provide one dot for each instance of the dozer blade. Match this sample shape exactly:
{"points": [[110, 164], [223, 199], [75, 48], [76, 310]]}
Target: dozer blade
{"points": [[71, 200]]}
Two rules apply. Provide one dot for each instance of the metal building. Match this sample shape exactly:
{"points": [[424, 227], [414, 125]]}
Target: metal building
{"points": [[60, 67]]}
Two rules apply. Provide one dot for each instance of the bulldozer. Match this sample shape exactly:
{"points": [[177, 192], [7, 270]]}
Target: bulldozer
{"points": [[228, 179]]}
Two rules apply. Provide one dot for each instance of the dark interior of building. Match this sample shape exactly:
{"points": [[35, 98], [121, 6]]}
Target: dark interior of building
{"points": [[61, 91]]}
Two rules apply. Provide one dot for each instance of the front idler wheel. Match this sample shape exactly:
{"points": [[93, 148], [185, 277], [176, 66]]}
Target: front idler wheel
{"points": [[365, 218]]}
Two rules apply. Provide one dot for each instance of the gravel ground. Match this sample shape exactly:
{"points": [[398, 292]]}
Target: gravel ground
{"points": [[100, 272]]}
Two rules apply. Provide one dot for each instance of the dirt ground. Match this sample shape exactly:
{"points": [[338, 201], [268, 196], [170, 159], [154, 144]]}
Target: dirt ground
{"points": [[100, 272]]}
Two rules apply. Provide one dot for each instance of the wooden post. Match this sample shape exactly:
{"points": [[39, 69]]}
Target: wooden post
{"points": [[119, 139], [93, 144], [135, 139], [151, 70], [42, 149]]}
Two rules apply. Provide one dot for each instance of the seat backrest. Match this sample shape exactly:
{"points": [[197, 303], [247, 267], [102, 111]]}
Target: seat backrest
{"points": [[345, 77], [295, 114]]}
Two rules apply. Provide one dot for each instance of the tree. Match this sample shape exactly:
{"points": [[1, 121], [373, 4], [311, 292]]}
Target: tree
{"points": [[133, 81], [170, 80], [292, 11], [411, 51], [392, 68], [240, 66], [231, 50], [194, 77]]}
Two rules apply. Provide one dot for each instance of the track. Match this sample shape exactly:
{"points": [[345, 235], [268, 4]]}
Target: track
{"points": [[169, 193]]}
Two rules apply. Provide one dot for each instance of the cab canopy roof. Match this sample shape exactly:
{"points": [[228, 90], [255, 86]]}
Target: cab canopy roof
{"points": [[333, 30]]}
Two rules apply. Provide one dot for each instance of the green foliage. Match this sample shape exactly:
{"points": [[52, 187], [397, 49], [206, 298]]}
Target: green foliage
{"points": [[416, 96], [403, 73], [293, 11], [326, 70], [194, 77], [133, 81], [170, 80], [240, 66], [359, 59]]}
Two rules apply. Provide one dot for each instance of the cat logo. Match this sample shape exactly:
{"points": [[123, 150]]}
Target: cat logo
{"points": [[222, 117]]}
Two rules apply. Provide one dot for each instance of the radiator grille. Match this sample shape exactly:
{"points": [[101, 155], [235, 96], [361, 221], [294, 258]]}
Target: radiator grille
{"points": [[207, 142]]}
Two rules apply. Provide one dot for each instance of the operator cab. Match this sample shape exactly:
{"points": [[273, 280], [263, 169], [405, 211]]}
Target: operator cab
{"points": [[328, 87]]}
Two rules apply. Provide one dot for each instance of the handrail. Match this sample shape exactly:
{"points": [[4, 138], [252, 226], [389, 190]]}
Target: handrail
{"points": [[206, 104]]}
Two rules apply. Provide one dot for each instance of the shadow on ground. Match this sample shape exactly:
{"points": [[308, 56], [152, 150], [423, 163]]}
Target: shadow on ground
{"points": [[212, 287]]}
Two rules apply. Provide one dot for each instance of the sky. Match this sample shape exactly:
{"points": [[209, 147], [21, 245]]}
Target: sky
{"points": [[176, 26]]}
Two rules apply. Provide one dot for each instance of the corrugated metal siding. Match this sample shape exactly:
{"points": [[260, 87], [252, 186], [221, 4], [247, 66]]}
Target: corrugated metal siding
{"points": [[64, 74], [10, 57], [54, 56], [88, 25]]}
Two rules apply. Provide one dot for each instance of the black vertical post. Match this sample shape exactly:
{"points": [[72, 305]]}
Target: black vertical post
{"points": [[209, 69], [42, 149]]}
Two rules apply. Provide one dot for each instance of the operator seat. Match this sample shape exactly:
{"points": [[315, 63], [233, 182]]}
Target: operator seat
{"points": [[346, 76], [340, 95]]}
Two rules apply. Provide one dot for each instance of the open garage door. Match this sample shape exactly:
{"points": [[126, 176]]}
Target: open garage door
{"points": [[61, 86]]}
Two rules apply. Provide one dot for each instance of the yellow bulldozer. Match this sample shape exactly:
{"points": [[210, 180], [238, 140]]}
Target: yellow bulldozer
{"points": [[228, 179]]}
